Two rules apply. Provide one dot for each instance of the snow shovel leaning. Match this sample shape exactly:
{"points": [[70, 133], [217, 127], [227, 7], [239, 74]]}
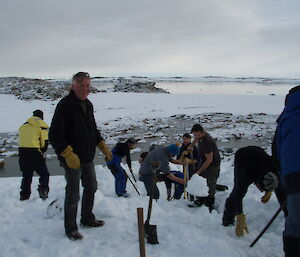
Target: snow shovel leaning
{"points": [[132, 183], [269, 224], [150, 230]]}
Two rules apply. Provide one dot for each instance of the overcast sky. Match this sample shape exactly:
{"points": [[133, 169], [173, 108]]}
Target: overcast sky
{"points": [[56, 38]]}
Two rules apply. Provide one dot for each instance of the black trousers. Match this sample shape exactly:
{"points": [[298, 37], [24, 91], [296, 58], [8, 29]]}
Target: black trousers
{"points": [[27, 173], [86, 173]]}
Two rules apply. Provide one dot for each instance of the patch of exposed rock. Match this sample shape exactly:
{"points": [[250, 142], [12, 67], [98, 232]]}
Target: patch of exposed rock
{"points": [[35, 89], [136, 85]]}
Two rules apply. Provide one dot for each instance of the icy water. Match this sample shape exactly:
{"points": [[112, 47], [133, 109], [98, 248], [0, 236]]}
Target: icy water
{"points": [[216, 87], [226, 88]]}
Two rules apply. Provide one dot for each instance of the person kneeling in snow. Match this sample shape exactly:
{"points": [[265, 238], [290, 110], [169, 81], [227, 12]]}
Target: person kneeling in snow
{"points": [[119, 151], [179, 188], [155, 163], [251, 165], [33, 143]]}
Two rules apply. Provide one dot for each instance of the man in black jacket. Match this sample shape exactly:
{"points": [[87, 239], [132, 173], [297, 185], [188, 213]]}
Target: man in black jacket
{"points": [[74, 136], [251, 165]]}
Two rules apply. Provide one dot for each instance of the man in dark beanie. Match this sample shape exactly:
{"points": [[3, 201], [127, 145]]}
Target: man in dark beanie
{"points": [[33, 143], [156, 163], [251, 165], [74, 136]]}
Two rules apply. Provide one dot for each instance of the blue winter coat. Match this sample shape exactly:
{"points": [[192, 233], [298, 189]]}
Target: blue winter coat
{"points": [[288, 143]]}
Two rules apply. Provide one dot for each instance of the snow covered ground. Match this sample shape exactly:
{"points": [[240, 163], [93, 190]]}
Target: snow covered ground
{"points": [[131, 108], [182, 231]]}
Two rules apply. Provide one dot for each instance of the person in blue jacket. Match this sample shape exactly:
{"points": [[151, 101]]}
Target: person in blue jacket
{"points": [[120, 151], [179, 188], [288, 153]]}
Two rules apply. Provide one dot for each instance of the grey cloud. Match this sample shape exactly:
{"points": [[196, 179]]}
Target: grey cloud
{"points": [[57, 38]]}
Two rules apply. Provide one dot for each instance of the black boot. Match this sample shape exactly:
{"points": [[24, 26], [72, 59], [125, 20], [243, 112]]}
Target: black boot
{"points": [[210, 203], [24, 196], [200, 200], [43, 192], [291, 246]]}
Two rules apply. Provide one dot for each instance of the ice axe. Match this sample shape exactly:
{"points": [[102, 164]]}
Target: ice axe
{"points": [[150, 230]]}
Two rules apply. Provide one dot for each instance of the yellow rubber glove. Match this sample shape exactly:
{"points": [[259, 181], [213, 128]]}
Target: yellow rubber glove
{"points": [[241, 225], [105, 150], [71, 158], [266, 197]]}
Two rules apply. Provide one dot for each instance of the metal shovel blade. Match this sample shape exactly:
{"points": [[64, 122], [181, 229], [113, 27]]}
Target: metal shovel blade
{"points": [[151, 233]]}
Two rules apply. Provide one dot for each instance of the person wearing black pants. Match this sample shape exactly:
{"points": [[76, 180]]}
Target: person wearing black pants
{"points": [[86, 173], [74, 136], [33, 143], [251, 165]]}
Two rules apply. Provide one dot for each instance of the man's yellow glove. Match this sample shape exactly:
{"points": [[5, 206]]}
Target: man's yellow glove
{"points": [[266, 197], [241, 225], [105, 150], [71, 158]]}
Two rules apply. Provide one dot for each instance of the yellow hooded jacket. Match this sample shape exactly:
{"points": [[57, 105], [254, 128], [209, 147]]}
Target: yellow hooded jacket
{"points": [[33, 133]]}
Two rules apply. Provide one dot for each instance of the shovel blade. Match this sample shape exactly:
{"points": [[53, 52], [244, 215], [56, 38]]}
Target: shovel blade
{"points": [[151, 233]]}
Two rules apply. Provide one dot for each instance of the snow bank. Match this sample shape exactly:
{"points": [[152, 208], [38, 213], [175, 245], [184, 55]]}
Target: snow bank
{"points": [[182, 231], [197, 186]]}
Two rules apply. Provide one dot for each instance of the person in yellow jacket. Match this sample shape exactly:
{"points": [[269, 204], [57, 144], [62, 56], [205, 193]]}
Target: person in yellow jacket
{"points": [[33, 143]]}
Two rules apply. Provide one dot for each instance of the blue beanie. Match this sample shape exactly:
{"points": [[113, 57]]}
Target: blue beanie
{"points": [[173, 149]]}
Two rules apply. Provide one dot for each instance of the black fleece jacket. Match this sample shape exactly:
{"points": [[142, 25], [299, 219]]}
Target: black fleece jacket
{"points": [[74, 124]]}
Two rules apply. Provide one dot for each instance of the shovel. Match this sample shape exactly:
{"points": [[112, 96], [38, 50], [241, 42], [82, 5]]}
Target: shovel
{"points": [[150, 230]]}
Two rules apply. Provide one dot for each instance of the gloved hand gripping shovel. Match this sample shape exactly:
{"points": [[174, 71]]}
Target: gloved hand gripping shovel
{"points": [[151, 230]]}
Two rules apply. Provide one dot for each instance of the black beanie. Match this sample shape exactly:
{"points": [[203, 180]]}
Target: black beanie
{"points": [[38, 113]]}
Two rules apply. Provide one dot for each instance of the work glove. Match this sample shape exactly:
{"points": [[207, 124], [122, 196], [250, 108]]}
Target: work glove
{"points": [[105, 150], [71, 158], [241, 225], [266, 197]]}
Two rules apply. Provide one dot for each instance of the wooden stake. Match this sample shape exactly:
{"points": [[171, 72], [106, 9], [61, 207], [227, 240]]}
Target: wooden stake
{"points": [[140, 216]]}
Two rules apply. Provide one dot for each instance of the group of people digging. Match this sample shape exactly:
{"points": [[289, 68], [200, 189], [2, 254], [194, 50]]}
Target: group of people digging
{"points": [[74, 136]]}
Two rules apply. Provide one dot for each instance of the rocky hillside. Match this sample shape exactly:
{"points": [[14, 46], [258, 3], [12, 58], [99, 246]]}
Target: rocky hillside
{"points": [[35, 89], [136, 85]]}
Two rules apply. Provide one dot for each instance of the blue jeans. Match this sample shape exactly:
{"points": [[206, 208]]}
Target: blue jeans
{"points": [[292, 222], [120, 178]]}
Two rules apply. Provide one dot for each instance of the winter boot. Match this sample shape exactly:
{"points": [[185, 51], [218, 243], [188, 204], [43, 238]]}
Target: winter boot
{"points": [[43, 192], [291, 246], [210, 203], [74, 235], [126, 195], [24, 196], [200, 200]]}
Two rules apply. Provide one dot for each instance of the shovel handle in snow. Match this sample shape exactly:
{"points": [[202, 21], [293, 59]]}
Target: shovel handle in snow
{"points": [[269, 224], [132, 183], [150, 201], [140, 217], [151, 230], [133, 175]]}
